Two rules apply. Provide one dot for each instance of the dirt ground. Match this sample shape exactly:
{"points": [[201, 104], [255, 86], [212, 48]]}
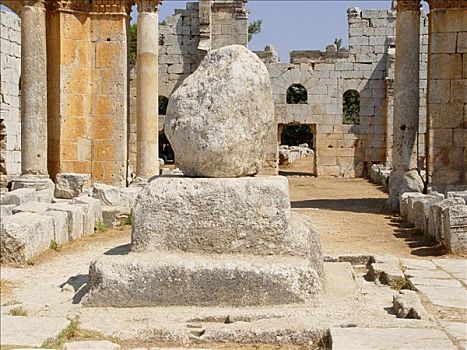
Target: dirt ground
{"points": [[351, 217]]}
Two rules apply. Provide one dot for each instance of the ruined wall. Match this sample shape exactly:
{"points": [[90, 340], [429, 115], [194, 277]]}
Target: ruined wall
{"points": [[10, 73], [342, 150], [87, 94], [447, 108]]}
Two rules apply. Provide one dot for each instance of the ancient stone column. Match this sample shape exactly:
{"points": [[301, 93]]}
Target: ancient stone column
{"points": [[147, 159], [405, 177], [33, 97]]}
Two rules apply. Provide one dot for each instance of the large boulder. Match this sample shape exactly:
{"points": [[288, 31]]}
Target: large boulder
{"points": [[218, 120]]}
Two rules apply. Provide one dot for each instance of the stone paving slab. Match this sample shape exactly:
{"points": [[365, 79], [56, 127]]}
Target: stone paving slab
{"points": [[457, 330], [389, 339], [458, 268], [446, 296], [30, 330]]}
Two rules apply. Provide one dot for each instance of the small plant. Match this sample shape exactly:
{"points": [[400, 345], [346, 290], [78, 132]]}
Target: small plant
{"points": [[54, 245], [399, 283], [73, 332], [101, 227], [128, 220], [18, 311]]}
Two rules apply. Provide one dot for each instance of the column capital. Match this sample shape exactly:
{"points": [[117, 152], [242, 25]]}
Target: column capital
{"points": [[97, 6], [148, 5], [408, 5]]}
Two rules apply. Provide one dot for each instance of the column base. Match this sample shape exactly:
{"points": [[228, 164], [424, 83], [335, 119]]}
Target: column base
{"points": [[401, 182], [39, 182]]}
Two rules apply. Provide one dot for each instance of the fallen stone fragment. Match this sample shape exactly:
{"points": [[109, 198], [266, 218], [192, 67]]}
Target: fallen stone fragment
{"points": [[108, 195], [70, 185], [75, 218], [218, 121], [455, 228], [404, 202], [407, 304], [96, 206], [23, 236], [6, 209], [18, 197], [31, 207], [436, 217], [45, 196]]}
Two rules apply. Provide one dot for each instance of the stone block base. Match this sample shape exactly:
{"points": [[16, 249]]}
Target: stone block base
{"points": [[248, 215], [163, 279], [23, 235], [38, 182]]}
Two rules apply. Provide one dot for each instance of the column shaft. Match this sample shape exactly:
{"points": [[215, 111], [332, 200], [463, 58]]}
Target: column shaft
{"points": [[33, 91], [147, 95], [407, 90]]}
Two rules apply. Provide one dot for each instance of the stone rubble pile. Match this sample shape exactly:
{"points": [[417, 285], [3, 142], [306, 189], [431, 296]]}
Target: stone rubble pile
{"points": [[215, 237], [34, 220], [290, 154], [440, 217]]}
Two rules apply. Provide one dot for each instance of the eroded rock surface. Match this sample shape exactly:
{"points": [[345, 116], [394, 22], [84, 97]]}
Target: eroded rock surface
{"points": [[217, 120]]}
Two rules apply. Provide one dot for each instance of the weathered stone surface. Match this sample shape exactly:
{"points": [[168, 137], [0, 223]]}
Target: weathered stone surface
{"points": [[96, 206], [88, 218], [407, 304], [60, 222], [240, 215], [421, 211], [108, 195], [128, 196], [389, 339], [457, 194], [30, 330], [436, 217], [70, 185], [6, 209], [32, 181], [75, 218], [31, 207], [217, 120], [404, 202], [91, 345], [187, 279], [45, 196], [455, 228], [19, 196], [401, 182], [23, 236]]}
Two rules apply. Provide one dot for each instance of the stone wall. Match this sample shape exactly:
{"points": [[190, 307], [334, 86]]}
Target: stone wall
{"points": [[367, 67], [448, 97], [87, 94], [10, 73]]}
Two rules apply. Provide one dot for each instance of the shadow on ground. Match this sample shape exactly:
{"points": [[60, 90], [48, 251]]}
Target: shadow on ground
{"points": [[355, 205], [120, 250], [295, 173], [419, 244], [79, 285]]}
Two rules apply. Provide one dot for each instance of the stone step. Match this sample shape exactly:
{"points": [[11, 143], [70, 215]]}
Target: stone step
{"points": [[169, 279]]}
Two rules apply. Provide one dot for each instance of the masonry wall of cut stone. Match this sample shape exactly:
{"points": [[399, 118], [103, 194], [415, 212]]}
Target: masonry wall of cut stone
{"points": [[87, 98], [10, 116], [342, 150], [448, 97]]}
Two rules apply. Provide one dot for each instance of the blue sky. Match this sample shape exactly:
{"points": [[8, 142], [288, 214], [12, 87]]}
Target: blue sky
{"points": [[295, 25]]}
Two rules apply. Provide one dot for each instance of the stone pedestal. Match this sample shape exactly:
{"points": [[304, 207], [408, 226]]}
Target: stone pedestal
{"points": [[405, 178], [198, 241], [39, 182]]}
